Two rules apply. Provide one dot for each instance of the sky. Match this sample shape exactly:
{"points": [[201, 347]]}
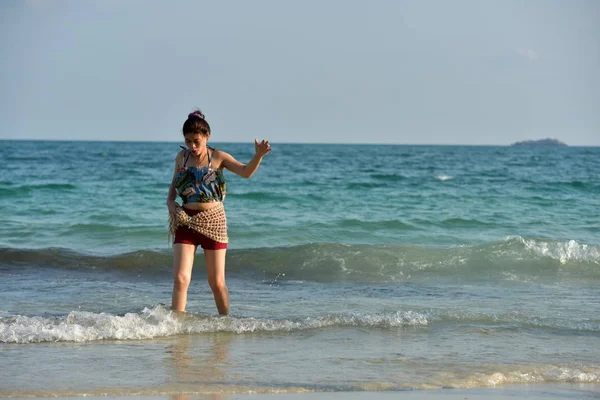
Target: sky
{"points": [[477, 72]]}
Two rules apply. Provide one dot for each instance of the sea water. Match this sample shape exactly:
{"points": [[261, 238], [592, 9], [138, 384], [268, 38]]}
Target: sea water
{"points": [[350, 267]]}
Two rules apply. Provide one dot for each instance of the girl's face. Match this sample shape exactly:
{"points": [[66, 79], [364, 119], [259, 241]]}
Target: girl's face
{"points": [[196, 142]]}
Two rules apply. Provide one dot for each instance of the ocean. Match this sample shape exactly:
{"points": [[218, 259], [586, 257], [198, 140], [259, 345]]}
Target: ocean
{"points": [[350, 268]]}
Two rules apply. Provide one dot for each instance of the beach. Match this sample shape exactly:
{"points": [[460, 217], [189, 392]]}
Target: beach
{"points": [[531, 392]]}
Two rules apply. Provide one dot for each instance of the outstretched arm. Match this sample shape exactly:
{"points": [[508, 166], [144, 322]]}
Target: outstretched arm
{"points": [[247, 170]]}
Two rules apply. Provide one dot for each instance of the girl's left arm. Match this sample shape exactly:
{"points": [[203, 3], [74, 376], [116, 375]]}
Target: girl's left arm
{"points": [[246, 170]]}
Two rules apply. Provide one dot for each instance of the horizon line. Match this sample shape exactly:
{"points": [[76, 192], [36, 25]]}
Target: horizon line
{"points": [[285, 142]]}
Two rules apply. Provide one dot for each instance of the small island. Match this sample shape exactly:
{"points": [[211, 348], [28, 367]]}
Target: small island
{"points": [[540, 142]]}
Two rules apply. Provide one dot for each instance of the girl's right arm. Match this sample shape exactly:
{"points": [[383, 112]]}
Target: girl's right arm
{"points": [[172, 195]]}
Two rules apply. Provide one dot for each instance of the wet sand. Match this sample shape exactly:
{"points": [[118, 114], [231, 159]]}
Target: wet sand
{"points": [[530, 392]]}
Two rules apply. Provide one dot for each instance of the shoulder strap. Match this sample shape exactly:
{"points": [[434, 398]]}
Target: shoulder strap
{"points": [[210, 156], [186, 157]]}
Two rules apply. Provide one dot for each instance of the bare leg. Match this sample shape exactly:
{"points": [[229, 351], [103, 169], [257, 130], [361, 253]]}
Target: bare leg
{"points": [[215, 269], [183, 262]]}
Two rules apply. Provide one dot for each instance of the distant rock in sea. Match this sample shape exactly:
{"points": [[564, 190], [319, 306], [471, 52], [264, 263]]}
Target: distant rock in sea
{"points": [[540, 142]]}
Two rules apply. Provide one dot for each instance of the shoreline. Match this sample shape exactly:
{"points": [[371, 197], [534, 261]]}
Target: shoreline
{"points": [[535, 391]]}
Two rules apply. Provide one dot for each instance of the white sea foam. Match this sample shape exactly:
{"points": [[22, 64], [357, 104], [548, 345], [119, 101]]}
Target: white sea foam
{"points": [[547, 373], [444, 177], [564, 251], [81, 326]]}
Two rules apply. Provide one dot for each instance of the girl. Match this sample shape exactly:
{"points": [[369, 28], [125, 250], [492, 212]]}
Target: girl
{"points": [[198, 179]]}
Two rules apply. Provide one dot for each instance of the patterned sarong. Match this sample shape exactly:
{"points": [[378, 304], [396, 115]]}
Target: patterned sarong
{"points": [[211, 223]]}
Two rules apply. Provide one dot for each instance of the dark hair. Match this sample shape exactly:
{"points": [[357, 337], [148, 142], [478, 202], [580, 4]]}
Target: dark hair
{"points": [[196, 123]]}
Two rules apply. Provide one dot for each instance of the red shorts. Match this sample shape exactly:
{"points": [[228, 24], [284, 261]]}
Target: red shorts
{"points": [[187, 235]]}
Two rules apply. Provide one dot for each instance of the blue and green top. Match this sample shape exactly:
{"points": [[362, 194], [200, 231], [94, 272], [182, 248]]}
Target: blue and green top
{"points": [[200, 184]]}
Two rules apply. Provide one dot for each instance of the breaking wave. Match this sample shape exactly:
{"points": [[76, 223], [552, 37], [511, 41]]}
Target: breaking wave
{"points": [[515, 258], [81, 326]]}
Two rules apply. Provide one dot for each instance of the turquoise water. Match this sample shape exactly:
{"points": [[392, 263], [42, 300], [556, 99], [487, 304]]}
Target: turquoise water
{"points": [[109, 197], [350, 267]]}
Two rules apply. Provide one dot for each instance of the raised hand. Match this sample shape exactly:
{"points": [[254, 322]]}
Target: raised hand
{"points": [[262, 148]]}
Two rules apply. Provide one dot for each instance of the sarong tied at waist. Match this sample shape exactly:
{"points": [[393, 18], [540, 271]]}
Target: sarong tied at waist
{"points": [[211, 223]]}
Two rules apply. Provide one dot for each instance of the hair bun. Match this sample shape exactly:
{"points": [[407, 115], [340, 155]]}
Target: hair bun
{"points": [[196, 113]]}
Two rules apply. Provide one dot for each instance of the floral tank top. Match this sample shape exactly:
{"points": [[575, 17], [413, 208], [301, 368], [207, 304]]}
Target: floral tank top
{"points": [[200, 184]]}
